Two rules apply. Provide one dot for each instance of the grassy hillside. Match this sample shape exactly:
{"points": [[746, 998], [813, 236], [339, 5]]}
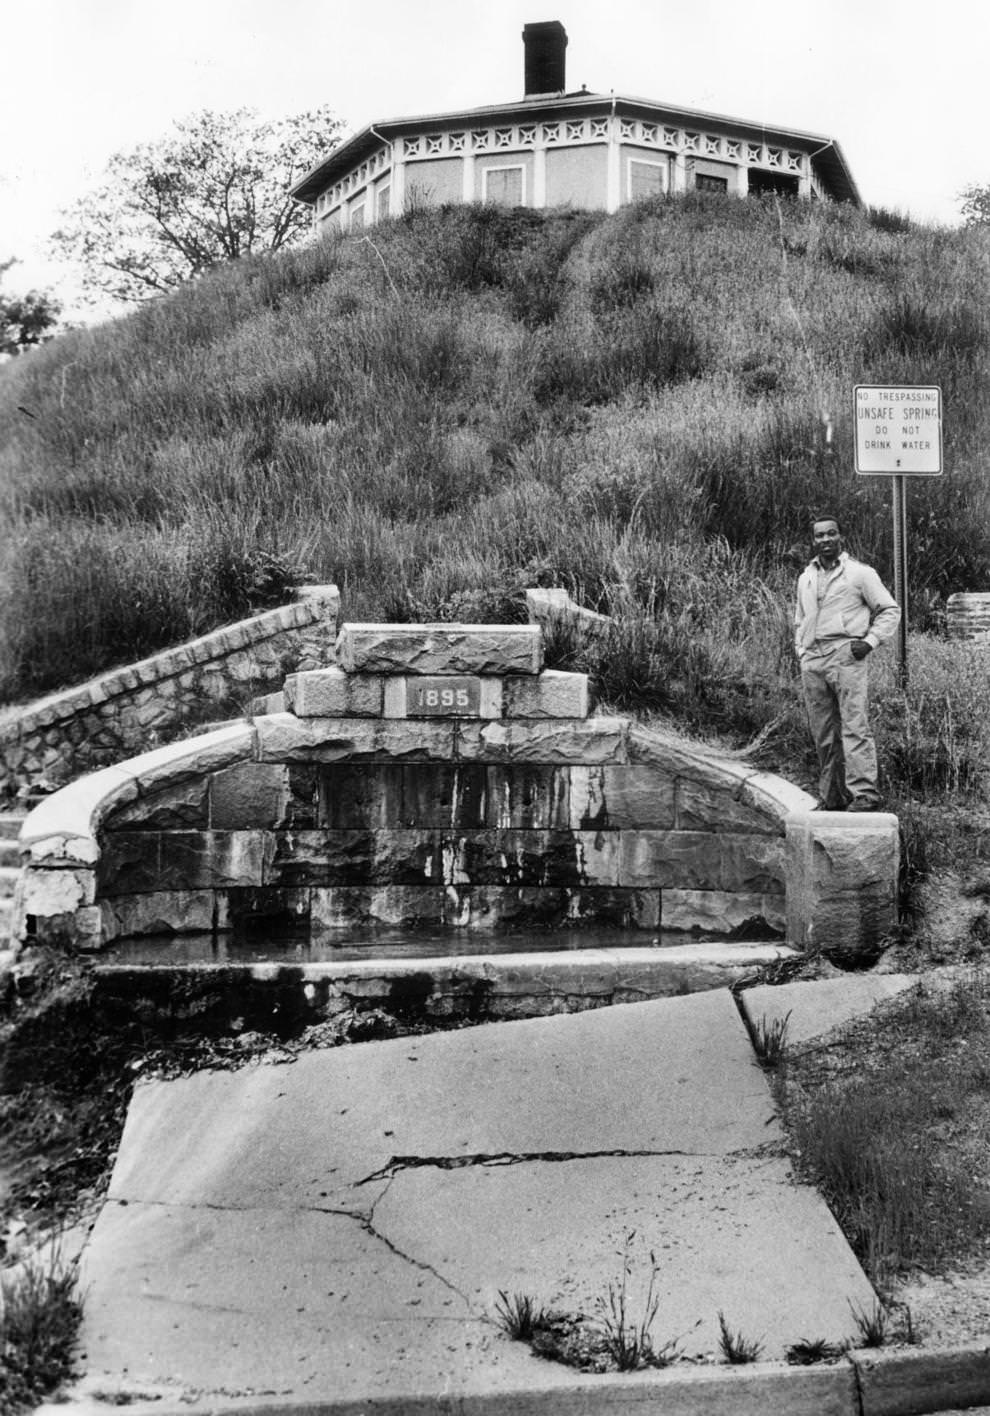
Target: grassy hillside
{"points": [[456, 405]]}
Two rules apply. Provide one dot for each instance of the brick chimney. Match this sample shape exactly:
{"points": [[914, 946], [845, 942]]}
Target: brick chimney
{"points": [[545, 44]]}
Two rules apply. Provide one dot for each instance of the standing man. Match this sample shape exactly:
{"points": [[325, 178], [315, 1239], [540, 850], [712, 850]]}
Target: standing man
{"points": [[843, 613]]}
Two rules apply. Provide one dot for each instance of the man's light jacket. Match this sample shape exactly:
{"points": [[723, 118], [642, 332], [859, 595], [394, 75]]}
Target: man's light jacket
{"points": [[855, 605]]}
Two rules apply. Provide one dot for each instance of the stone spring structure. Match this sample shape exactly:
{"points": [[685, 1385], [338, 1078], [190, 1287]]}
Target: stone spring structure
{"points": [[437, 779]]}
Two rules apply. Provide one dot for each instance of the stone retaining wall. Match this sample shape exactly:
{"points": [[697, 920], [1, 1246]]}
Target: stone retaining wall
{"points": [[128, 709], [968, 616]]}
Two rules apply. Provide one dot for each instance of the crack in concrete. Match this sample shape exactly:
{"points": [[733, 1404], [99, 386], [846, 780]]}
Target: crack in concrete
{"points": [[421, 1264], [398, 1163]]}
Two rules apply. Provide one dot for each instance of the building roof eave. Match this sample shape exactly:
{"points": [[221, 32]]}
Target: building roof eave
{"points": [[823, 151]]}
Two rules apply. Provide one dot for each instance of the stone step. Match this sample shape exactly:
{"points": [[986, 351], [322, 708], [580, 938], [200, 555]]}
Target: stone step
{"points": [[198, 980]]}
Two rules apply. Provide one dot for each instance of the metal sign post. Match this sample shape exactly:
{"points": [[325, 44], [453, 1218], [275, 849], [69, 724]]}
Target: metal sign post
{"points": [[899, 435]]}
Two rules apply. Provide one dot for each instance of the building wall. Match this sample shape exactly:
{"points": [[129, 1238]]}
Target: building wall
{"points": [[508, 162], [432, 183], [577, 176]]}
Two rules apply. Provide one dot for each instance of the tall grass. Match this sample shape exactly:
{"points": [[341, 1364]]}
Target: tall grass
{"points": [[458, 402], [875, 1141]]}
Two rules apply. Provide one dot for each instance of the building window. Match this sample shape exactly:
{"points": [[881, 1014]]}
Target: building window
{"points": [[646, 179], [704, 182], [503, 185], [782, 183], [357, 217], [382, 201]]}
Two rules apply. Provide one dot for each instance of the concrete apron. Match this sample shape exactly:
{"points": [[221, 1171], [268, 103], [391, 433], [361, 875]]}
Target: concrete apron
{"points": [[336, 1231]]}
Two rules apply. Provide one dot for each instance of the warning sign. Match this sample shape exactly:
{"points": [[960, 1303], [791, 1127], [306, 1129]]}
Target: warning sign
{"points": [[899, 431]]}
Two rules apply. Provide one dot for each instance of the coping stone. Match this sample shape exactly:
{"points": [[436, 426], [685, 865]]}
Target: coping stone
{"points": [[440, 648]]}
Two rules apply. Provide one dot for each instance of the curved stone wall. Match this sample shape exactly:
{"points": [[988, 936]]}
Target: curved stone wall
{"points": [[436, 778], [116, 715]]}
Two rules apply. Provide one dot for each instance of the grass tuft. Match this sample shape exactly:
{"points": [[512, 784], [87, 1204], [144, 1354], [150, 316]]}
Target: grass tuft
{"points": [[770, 1040], [735, 1347], [40, 1311]]}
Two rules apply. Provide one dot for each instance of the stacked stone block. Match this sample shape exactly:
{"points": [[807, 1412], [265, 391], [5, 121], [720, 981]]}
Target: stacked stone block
{"points": [[967, 615], [438, 778], [390, 795]]}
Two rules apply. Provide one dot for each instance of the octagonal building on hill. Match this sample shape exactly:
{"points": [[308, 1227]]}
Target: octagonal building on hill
{"points": [[586, 151]]}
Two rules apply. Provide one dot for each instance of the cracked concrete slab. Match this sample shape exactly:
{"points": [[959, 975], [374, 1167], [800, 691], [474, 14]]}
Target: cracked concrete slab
{"points": [[310, 1132], [338, 1229], [813, 1009]]}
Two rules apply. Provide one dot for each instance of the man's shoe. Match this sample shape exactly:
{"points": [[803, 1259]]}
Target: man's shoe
{"points": [[824, 806], [863, 804]]}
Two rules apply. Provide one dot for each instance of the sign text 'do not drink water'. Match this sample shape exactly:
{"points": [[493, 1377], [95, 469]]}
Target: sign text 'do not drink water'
{"points": [[898, 431]]}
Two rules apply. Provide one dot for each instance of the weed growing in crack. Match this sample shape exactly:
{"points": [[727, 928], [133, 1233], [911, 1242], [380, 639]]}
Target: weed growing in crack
{"points": [[770, 1040], [519, 1316], [626, 1337], [817, 1349], [735, 1348], [871, 1325], [618, 1338]]}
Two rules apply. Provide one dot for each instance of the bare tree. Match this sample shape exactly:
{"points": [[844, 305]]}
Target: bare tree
{"points": [[214, 189]]}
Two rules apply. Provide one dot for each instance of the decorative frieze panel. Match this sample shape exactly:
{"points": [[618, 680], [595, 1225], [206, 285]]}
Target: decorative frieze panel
{"points": [[423, 146]]}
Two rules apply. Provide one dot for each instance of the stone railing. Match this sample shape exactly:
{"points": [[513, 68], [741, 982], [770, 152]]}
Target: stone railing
{"points": [[968, 616], [128, 710]]}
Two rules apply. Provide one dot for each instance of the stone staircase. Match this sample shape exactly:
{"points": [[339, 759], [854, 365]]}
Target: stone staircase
{"points": [[10, 825]]}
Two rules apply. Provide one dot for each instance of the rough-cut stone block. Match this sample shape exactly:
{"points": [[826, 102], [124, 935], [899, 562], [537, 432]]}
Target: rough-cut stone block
{"points": [[269, 906], [553, 694], [284, 738], [841, 882], [251, 795], [687, 860], [130, 863], [53, 892], [722, 912], [183, 807], [704, 808], [440, 648], [142, 862], [192, 860], [382, 796], [349, 906], [368, 796], [617, 798], [330, 693], [171, 912], [581, 742], [752, 864], [527, 795], [443, 696], [521, 857], [552, 607], [619, 908], [325, 858]]}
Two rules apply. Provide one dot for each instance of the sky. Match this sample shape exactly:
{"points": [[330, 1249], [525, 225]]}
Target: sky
{"points": [[901, 84]]}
